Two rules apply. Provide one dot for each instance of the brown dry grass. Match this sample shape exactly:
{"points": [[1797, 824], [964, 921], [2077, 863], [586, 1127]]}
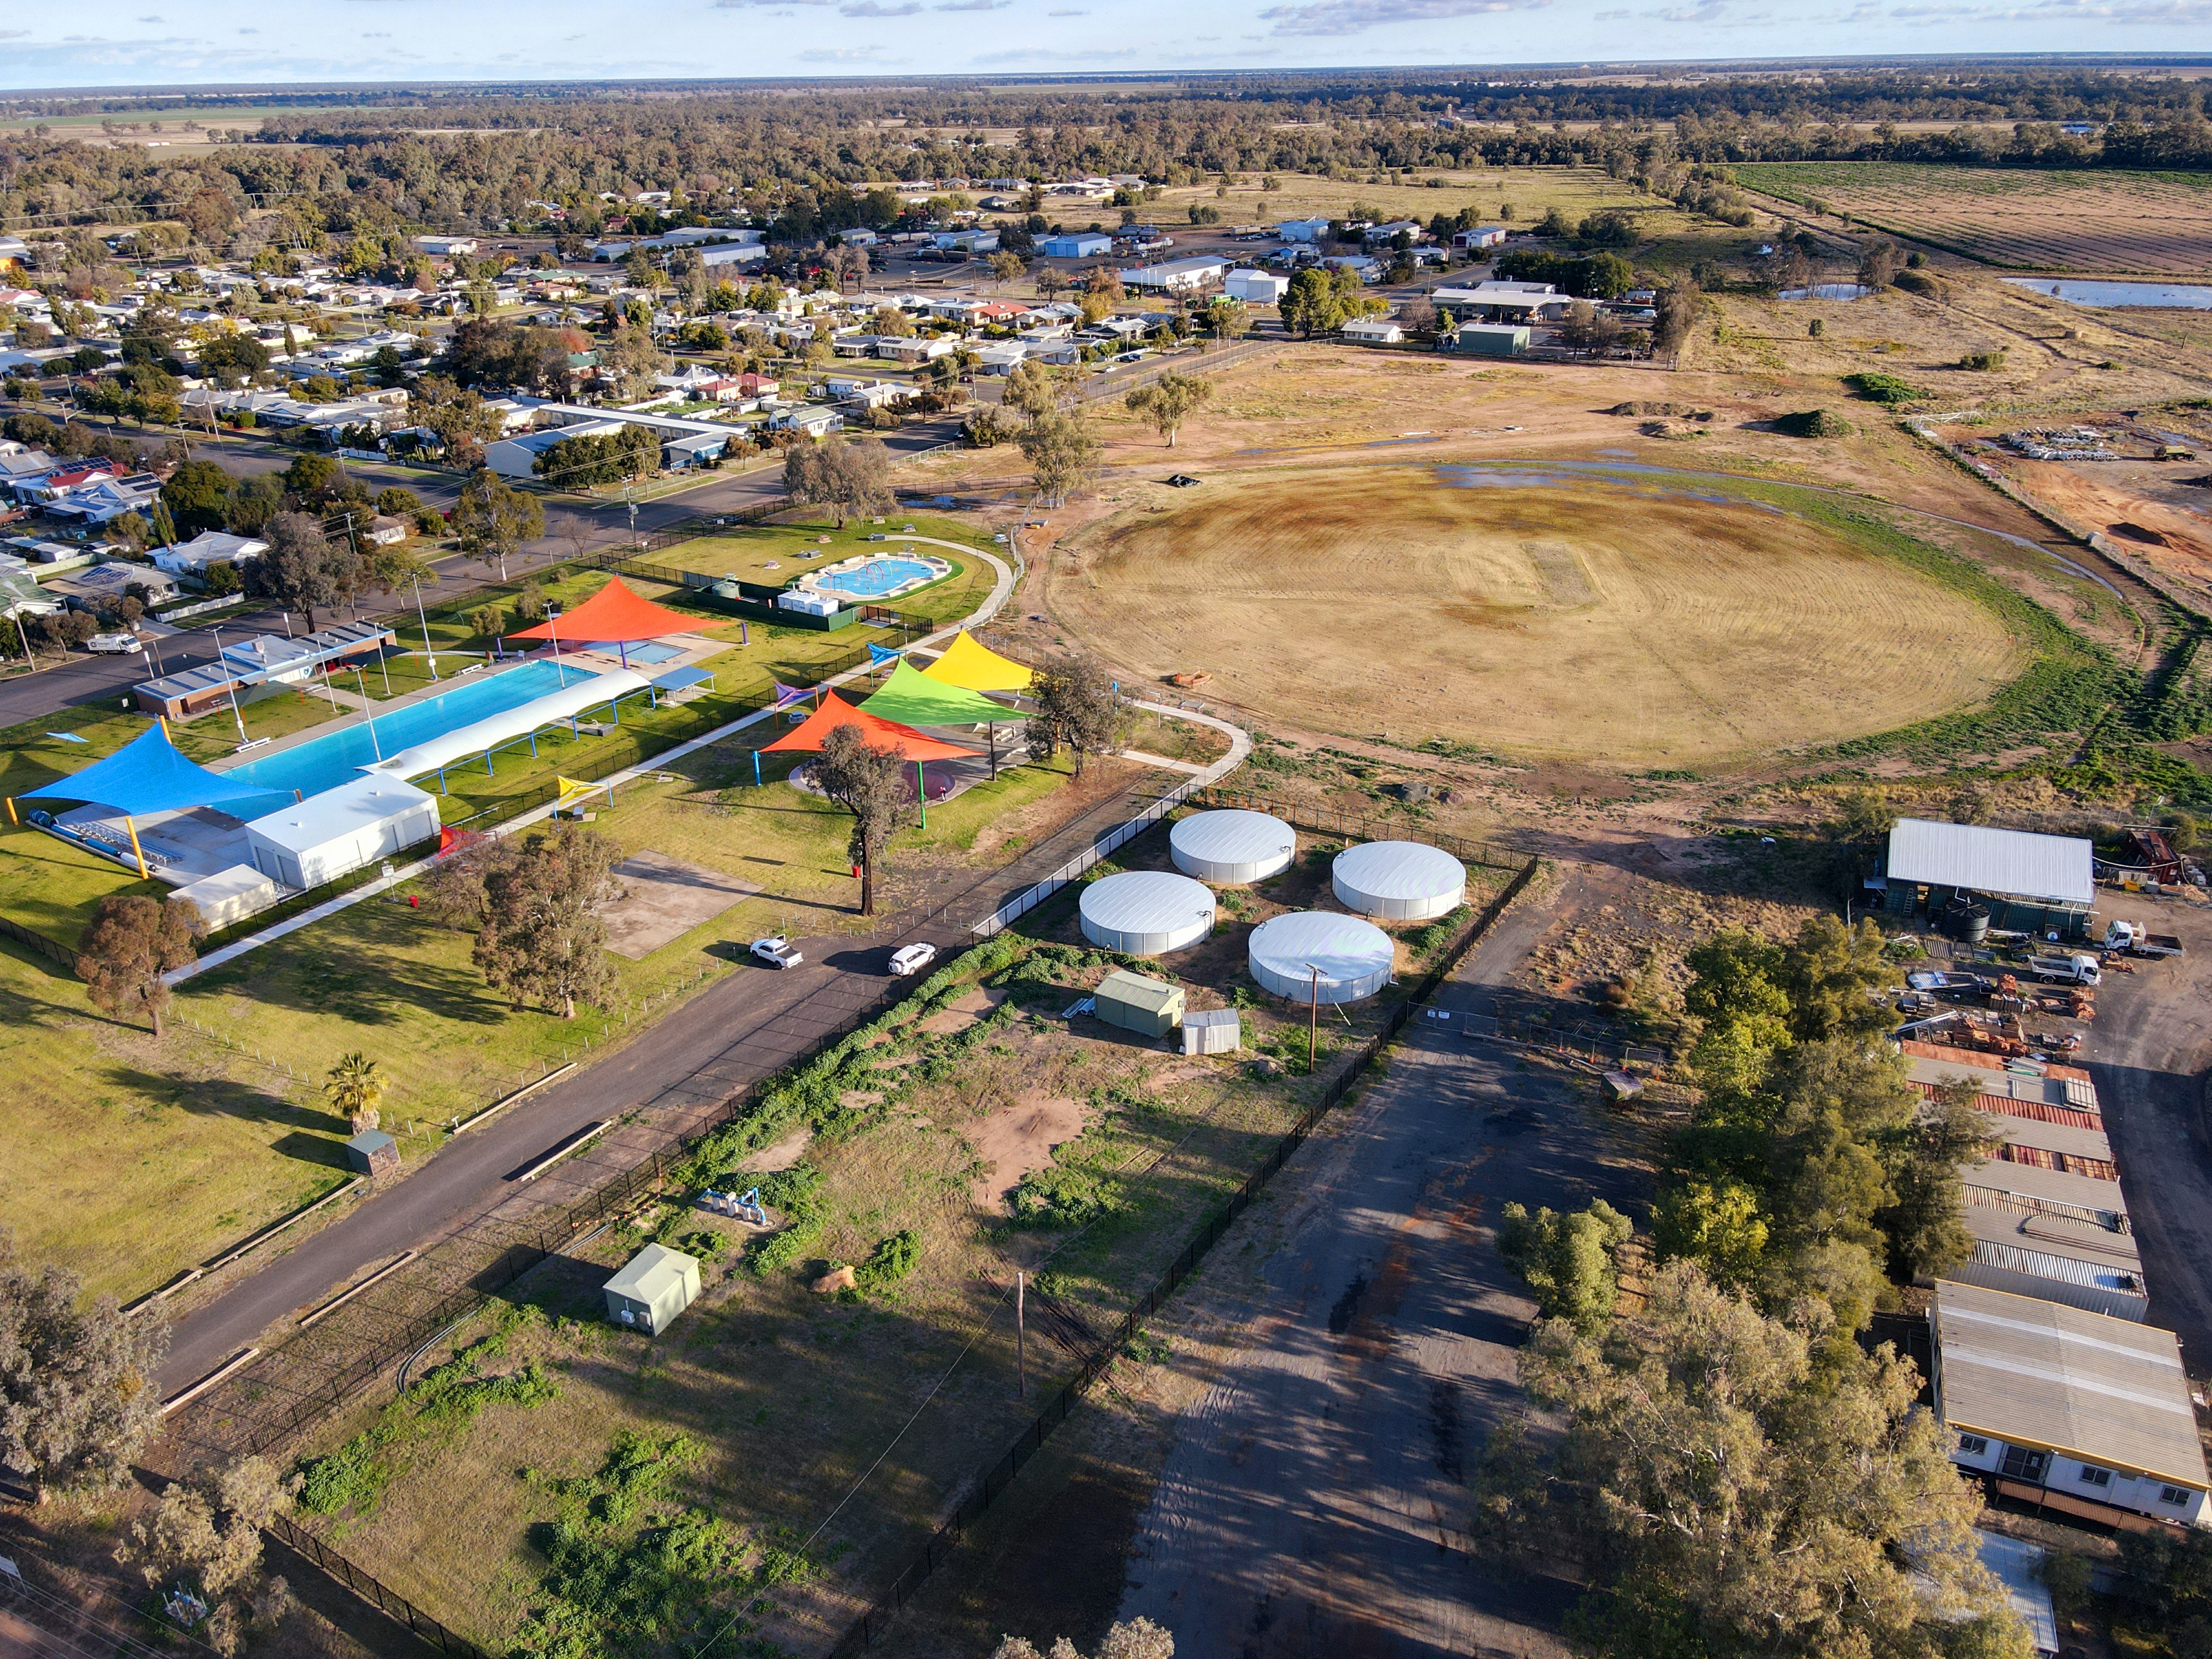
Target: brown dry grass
{"points": [[1628, 625]]}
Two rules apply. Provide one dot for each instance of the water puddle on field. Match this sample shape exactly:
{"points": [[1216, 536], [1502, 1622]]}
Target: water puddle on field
{"points": [[1665, 482], [2183, 296]]}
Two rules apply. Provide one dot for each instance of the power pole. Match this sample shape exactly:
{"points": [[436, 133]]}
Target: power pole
{"points": [[1021, 1348], [1313, 1018]]}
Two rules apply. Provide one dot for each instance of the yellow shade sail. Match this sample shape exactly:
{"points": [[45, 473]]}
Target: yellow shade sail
{"points": [[977, 667]]}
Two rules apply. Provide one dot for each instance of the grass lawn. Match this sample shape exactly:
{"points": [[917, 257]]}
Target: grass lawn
{"points": [[785, 1399], [101, 1127]]}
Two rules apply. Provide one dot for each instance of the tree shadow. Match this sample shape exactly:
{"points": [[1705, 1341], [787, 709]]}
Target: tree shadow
{"points": [[226, 1097]]}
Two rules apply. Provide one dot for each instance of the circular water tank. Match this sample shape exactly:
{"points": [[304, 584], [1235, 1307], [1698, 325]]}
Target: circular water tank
{"points": [[1141, 912], [1354, 957], [1229, 847], [1398, 881]]}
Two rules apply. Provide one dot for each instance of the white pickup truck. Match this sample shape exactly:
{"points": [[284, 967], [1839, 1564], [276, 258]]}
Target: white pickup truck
{"points": [[2078, 968]]}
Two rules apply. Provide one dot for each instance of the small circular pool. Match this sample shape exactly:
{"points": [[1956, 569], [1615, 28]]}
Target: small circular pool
{"points": [[875, 576]]}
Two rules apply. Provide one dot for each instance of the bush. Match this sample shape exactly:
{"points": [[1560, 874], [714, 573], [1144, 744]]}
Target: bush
{"points": [[1984, 359], [892, 1260], [1919, 281], [1813, 423], [1883, 388], [1061, 1195]]}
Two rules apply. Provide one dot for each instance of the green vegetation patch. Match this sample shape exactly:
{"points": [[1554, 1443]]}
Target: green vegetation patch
{"points": [[1883, 388]]}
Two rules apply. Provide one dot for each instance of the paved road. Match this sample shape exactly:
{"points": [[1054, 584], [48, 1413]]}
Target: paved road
{"points": [[1315, 1503], [2149, 1050]]}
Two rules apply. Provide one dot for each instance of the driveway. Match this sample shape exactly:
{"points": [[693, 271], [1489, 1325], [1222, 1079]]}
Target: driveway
{"points": [[1315, 1503], [2149, 1049]]}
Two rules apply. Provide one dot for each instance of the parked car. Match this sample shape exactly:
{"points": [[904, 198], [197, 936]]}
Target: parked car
{"points": [[777, 952], [912, 958], [114, 645], [2077, 968]]}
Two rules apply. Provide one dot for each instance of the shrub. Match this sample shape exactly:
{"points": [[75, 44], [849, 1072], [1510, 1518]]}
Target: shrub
{"points": [[1883, 388], [1984, 359], [1813, 423], [892, 1260], [1062, 1195]]}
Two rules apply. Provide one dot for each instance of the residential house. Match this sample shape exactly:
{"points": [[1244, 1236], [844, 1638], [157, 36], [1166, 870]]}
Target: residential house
{"points": [[99, 585], [1505, 301], [106, 500], [1002, 313], [999, 356], [814, 420], [1391, 231], [191, 559], [2070, 1411], [439, 247], [42, 489], [385, 531], [1478, 236], [1373, 330], [1364, 266]]}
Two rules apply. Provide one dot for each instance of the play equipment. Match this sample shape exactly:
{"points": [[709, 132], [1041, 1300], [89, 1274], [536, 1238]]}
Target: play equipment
{"points": [[746, 1208]]}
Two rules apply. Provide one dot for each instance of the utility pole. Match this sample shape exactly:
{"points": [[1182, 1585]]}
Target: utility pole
{"points": [[1313, 1018], [1021, 1344]]}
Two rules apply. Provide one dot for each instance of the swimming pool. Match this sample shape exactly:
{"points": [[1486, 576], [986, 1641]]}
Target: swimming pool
{"points": [[875, 577], [338, 756]]}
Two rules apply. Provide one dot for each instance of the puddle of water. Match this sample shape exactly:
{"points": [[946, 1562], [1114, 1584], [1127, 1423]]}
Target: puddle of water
{"points": [[2186, 296], [1625, 455], [1827, 291]]}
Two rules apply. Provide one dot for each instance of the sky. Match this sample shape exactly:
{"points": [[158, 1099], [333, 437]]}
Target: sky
{"points": [[131, 42]]}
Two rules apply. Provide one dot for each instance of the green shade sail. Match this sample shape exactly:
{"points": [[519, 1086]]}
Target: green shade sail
{"points": [[912, 698]]}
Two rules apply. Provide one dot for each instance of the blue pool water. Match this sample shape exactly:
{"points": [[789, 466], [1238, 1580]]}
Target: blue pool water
{"points": [[649, 650], [338, 758], [876, 578]]}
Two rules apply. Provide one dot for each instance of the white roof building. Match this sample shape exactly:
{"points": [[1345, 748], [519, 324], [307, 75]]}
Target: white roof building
{"points": [[2012, 863]]}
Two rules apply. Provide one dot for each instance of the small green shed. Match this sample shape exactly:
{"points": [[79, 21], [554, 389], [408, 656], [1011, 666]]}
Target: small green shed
{"points": [[1152, 1007], [658, 1285], [372, 1153]]}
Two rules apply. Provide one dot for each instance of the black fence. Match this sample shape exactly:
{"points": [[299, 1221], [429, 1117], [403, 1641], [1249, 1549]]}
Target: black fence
{"points": [[389, 1602], [31, 939], [1592, 1045], [863, 1632], [1357, 826]]}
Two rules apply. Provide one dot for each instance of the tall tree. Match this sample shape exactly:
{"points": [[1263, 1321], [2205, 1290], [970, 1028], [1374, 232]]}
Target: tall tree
{"points": [[1168, 401], [541, 936], [1032, 389], [851, 479], [492, 518], [1062, 455], [1569, 1260], [1738, 1485], [198, 496], [78, 1398], [1077, 706], [870, 783], [132, 942], [304, 567]]}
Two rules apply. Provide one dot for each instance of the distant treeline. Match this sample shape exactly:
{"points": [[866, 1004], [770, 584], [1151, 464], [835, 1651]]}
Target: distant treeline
{"points": [[792, 164]]}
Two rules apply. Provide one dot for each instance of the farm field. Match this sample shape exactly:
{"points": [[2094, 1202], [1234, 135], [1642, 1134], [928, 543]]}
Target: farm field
{"points": [[2148, 223], [1612, 618]]}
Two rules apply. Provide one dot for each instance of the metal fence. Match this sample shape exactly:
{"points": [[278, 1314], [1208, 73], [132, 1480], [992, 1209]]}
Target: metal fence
{"points": [[987, 1491], [53, 950], [1353, 826], [390, 1603], [1593, 1045], [1012, 911]]}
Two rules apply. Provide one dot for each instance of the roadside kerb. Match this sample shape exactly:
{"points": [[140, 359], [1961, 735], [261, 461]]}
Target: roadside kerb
{"points": [[239, 1250]]}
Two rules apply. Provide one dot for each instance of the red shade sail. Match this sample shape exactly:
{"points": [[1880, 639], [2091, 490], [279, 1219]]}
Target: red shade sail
{"points": [[614, 615], [835, 711]]}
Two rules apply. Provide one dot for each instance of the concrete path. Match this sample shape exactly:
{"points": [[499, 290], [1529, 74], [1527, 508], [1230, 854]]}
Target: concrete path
{"points": [[1316, 1503]]}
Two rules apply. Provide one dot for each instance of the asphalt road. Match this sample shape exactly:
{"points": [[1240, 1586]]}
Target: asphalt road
{"points": [[1316, 1503], [2149, 1050]]}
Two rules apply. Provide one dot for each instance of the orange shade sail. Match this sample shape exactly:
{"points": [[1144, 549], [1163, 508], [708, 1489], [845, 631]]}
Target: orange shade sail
{"points": [[614, 615], [807, 739]]}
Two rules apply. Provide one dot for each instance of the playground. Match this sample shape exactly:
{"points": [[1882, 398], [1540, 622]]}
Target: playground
{"points": [[1613, 614]]}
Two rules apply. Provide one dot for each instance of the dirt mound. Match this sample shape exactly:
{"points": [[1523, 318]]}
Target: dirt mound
{"points": [[837, 1279], [1018, 1139]]}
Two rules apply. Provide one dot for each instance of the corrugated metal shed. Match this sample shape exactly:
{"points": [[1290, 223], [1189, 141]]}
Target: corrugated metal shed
{"points": [[1135, 1003], [1213, 1031], [2038, 1374], [2057, 869]]}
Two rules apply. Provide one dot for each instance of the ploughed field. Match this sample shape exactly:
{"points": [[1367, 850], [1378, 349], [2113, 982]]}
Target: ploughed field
{"points": [[1616, 618], [2148, 223]]}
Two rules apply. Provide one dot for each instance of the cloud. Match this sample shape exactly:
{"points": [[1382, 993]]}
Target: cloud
{"points": [[14, 34], [972, 5], [1356, 16], [249, 31], [748, 5], [1709, 13], [380, 34], [872, 8], [1067, 13], [149, 20], [845, 55]]}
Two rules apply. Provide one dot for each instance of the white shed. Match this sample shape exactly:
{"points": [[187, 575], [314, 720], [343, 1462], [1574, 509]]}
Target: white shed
{"points": [[1262, 288], [327, 835]]}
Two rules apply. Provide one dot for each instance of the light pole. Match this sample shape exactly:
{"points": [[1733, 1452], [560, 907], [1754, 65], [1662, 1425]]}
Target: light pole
{"points": [[553, 625], [429, 653], [368, 713], [230, 684], [1313, 1018]]}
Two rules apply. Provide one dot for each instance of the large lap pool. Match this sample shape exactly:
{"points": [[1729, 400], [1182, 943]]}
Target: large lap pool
{"points": [[872, 578], [338, 756]]}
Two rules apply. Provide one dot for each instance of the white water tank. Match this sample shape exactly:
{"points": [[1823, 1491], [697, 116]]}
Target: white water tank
{"points": [[1142, 913], [1398, 881], [1232, 847], [1352, 956]]}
